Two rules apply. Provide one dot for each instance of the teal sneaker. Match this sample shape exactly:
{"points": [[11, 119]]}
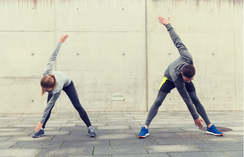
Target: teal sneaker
{"points": [[144, 132], [214, 131], [39, 133]]}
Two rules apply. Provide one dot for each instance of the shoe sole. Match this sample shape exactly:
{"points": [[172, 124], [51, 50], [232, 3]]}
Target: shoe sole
{"points": [[91, 136], [210, 133], [38, 136], [143, 136]]}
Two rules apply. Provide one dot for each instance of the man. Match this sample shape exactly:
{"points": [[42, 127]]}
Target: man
{"points": [[179, 74]]}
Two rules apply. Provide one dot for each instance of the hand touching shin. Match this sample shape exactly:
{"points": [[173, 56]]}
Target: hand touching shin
{"points": [[198, 122], [39, 126]]}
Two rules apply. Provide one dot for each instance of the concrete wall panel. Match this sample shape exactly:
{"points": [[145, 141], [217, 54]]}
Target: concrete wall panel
{"points": [[27, 15], [103, 64], [25, 54], [105, 15]]}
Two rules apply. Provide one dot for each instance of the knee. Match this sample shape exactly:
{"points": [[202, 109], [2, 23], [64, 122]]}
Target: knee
{"points": [[157, 103], [79, 109]]}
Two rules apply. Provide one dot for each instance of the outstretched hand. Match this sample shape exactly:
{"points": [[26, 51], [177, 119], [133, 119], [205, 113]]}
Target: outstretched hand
{"points": [[63, 38], [164, 21], [198, 122], [39, 126]]}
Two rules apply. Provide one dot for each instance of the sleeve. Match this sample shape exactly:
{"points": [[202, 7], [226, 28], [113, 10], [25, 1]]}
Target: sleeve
{"points": [[49, 106], [52, 60], [184, 53], [185, 96]]}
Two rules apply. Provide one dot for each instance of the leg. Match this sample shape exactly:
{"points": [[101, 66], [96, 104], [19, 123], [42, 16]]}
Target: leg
{"points": [[72, 94], [199, 107], [154, 109], [211, 129], [165, 88], [48, 116]]}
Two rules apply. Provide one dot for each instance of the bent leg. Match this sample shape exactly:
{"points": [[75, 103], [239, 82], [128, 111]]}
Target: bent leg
{"points": [[154, 109], [199, 107], [72, 94]]}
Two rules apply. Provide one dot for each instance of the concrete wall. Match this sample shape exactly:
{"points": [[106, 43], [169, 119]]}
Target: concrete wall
{"points": [[118, 47]]}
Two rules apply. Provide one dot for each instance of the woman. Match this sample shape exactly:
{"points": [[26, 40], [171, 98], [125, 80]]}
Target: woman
{"points": [[54, 82]]}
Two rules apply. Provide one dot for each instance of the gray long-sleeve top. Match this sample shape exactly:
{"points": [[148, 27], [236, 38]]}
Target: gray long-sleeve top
{"points": [[62, 79], [173, 72]]}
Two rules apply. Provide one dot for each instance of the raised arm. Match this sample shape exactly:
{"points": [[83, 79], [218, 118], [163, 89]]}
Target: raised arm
{"points": [[175, 38], [53, 57]]}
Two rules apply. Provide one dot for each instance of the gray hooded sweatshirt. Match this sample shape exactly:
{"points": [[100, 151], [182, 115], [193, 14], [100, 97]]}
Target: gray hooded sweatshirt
{"points": [[173, 71], [62, 79]]}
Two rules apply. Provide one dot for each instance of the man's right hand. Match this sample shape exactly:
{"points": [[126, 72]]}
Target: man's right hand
{"points": [[198, 122], [63, 38], [164, 21]]}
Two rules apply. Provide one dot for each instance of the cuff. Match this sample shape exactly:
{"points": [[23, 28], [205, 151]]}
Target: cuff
{"points": [[168, 26]]}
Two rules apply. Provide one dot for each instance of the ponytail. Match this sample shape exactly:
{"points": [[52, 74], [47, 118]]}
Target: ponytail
{"points": [[48, 81]]}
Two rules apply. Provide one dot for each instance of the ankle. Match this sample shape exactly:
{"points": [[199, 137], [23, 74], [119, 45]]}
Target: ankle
{"points": [[146, 126], [209, 125]]}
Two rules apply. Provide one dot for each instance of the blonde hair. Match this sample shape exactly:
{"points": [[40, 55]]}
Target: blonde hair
{"points": [[48, 81]]}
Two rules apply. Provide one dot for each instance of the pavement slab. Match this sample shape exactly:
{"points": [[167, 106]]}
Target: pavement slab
{"points": [[219, 146], [196, 154], [175, 141], [125, 150], [19, 152], [6, 145], [82, 151], [34, 144], [234, 153], [144, 155], [74, 138], [172, 148], [82, 143], [132, 142]]}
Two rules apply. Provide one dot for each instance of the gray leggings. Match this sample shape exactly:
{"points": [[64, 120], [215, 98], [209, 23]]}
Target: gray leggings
{"points": [[160, 98]]}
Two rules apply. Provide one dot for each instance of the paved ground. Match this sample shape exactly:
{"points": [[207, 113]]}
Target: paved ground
{"points": [[172, 134]]}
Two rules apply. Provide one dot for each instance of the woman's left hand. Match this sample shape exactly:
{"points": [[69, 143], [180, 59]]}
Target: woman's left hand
{"points": [[39, 126], [63, 38]]}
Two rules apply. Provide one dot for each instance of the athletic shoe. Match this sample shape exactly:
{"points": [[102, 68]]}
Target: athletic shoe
{"points": [[214, 131], [144, 132], [91, 132], [39, 133]]}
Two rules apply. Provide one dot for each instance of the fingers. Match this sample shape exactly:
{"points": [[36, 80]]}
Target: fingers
{"points": [[37, 129]]}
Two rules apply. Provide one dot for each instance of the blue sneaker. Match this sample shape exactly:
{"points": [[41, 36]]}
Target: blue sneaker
{"points": [[214, 131], [144, 132], [39, 133]]}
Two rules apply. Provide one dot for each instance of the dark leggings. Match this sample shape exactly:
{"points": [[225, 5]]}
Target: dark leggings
{"points": [[72, 94], [162, 93]]}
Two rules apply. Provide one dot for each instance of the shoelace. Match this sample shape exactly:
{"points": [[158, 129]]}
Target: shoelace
{"points": [[92, 130]]}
